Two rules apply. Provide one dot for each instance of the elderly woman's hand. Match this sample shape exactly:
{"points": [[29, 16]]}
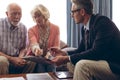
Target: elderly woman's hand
{"points": [[38, 52]]}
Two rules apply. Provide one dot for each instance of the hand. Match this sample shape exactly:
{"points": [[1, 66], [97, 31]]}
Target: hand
{"points": [[18, 61], [22, 53], [38, 52], [57, 52], [48, 55], [58, 60]]}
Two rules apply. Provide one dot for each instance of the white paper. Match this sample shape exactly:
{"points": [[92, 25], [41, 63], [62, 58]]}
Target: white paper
{"points": [[39, 76], [13, 78]]}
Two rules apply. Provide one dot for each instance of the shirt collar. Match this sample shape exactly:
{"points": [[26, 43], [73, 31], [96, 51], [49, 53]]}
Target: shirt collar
{"points": [[9, 24], [87, 25]]}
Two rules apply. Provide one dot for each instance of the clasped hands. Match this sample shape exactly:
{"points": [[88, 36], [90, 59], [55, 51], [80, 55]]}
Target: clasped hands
{"points": [[17, 61]]}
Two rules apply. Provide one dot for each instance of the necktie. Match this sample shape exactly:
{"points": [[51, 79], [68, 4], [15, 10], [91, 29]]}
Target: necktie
{"points": [[86, 38]]}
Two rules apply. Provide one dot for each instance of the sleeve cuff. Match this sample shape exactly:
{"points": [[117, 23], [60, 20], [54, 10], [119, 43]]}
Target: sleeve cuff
{"points": [[69, 58]]}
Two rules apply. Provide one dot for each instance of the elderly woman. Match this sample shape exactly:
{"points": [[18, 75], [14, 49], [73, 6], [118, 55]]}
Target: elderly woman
{"points": [[43, 36]]}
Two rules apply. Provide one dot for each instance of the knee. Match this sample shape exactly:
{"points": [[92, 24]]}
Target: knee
{"points": [[4, 61], [82, 64]]}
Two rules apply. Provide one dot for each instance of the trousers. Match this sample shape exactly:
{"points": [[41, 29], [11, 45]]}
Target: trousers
{"points": [[8, 68], [41, 68], [4, 65], [92, 70]]}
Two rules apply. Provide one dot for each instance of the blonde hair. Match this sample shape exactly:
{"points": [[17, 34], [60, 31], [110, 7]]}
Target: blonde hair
{"points": [[42, 10]]}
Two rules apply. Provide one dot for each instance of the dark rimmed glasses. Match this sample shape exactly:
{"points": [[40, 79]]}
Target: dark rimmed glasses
{"points": [[74, 11]]}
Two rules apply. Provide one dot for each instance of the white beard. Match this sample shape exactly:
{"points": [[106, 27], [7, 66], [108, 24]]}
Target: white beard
{"points": [[14, 23]]}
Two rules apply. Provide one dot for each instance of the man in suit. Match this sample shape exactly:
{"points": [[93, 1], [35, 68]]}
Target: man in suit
{"points": [[98, 55]]}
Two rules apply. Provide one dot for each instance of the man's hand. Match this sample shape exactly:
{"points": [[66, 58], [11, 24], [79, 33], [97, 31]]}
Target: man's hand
{"points": [[18, 61], [23, 53], [58, 60], [57, 52]]}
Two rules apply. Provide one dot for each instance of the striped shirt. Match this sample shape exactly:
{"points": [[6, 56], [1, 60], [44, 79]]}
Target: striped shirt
{"points": [[12, 40]]}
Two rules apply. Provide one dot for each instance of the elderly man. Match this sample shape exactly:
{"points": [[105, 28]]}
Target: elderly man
{"points": [[13, 42]]}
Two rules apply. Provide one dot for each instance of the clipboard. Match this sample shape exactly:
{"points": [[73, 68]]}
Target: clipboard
{"points": [[37, 59]]}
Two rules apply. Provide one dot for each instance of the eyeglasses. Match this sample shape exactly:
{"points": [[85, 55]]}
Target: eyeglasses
{"points": [[74, 11]]}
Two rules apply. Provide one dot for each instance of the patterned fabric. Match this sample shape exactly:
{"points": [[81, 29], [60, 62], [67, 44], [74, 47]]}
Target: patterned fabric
{"points": [[53, 39], [12, 40], [43, 38]]}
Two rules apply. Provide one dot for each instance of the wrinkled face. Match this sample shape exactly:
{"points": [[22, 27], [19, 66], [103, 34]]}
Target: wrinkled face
{"points": [[76, 14], [40, 20], [14, 15]]}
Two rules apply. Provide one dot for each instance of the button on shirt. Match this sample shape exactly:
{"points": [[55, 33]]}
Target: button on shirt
{"points": [[12, 40], [12, 27], [86, 26]]}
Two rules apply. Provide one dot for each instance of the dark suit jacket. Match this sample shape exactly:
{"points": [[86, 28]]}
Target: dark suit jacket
{"points": [[104, 43]]}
